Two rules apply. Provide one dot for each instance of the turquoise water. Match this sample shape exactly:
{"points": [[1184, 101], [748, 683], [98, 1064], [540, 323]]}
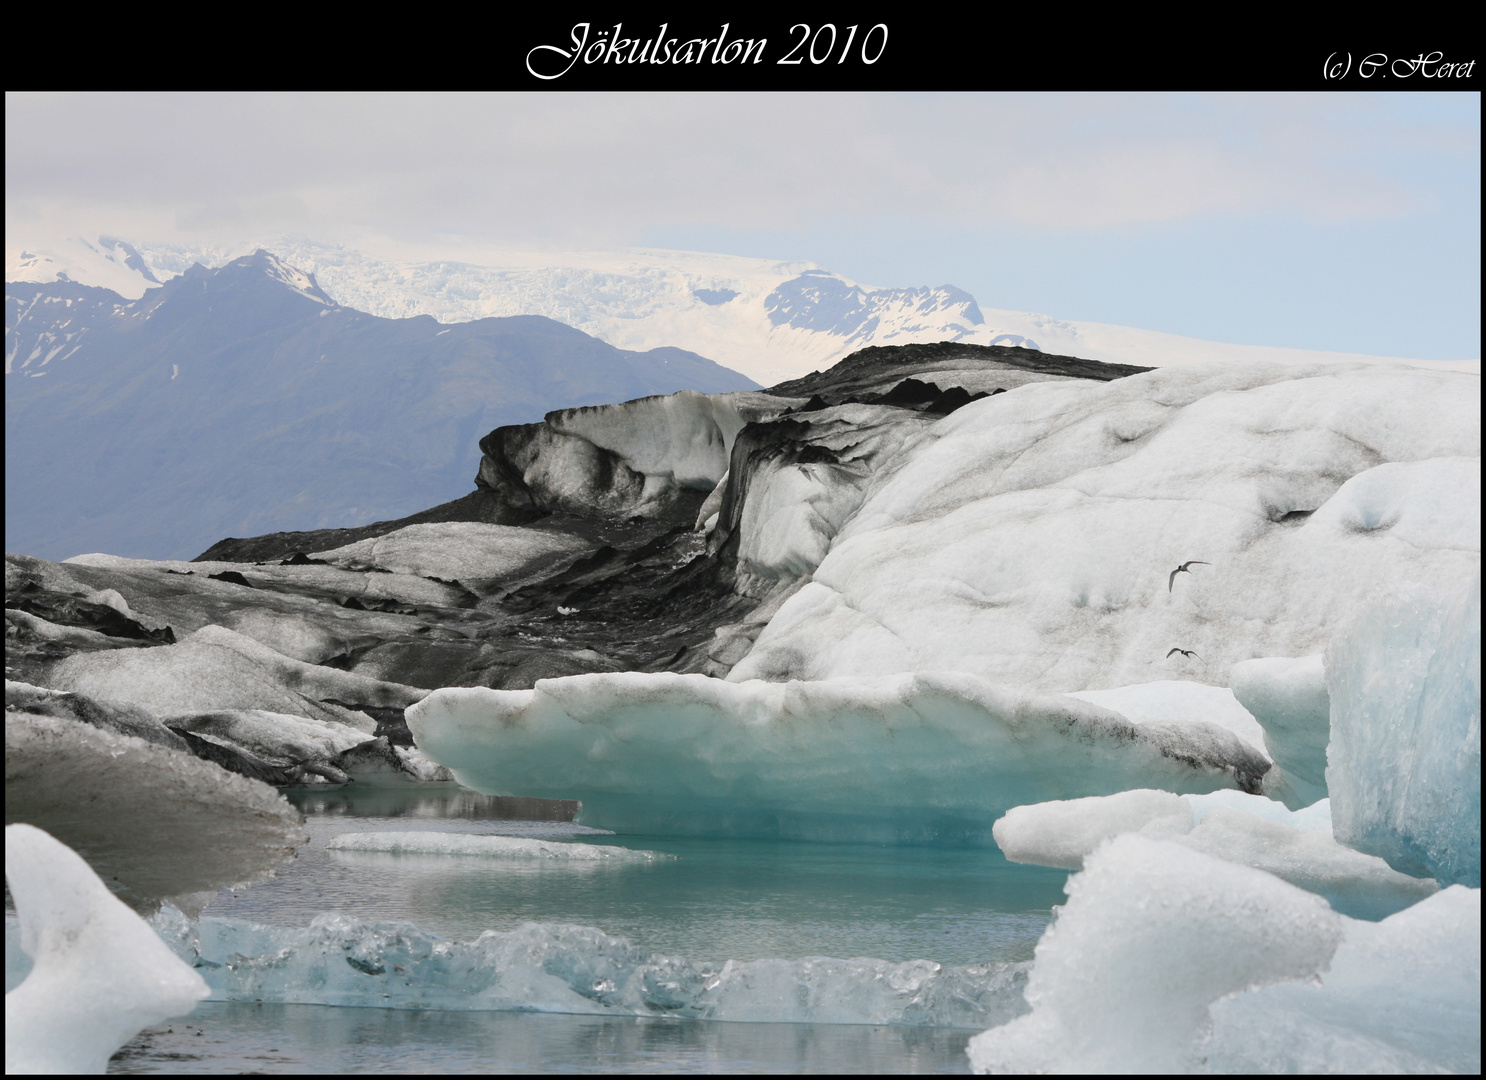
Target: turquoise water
{"points": [[716, 900]]}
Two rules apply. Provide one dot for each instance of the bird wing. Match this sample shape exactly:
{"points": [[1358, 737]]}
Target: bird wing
{"points": [[1172, 581], [1168, 655]]}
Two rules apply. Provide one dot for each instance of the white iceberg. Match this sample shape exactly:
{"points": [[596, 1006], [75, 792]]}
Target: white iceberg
{"points": [[1404, 762], [926, 757], [1152, 935], [1289, 700], [1402, 995], [99, 973], [1249, 830], [498, 847], [1167, 960], [1030, 537]]}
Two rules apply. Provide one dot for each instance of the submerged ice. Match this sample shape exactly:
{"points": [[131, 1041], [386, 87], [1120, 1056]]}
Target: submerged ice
{"points": [[497, 847], [338, 960]]}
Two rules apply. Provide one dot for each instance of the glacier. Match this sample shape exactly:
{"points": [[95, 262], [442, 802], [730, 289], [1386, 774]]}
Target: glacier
{"points": [[99, 973], [923, 757], [770, 319]]}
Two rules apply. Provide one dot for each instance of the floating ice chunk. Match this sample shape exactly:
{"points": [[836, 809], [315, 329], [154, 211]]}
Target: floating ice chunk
{"points": [[1290, 701], [472, 553], [99, 973], [1179, 702], [1061, 833], [338, 960], [1152, 935], [1231, 825], [1404, 763], [1402, 995], [498, 847], [157, 823], [926, 757]]}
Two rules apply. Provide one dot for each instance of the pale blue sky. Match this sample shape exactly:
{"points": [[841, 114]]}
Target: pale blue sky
{"points": [[1326, 221]]}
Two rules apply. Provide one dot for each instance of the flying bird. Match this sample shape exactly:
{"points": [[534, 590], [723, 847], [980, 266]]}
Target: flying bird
{"points": [[1182, 569], [1185, 652]]}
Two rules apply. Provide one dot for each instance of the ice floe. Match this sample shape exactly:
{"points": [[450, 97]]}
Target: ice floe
{"points": [[1249, 829], [99, 973], [928, 757], [496, 847], [339, 960]]}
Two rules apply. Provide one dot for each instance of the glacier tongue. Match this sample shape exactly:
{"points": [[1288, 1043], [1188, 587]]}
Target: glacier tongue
{"points": [[542, 967]]}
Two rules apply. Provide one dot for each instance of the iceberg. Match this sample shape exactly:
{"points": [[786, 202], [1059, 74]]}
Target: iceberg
{"points": [[1029, 537], [1167, 960], [99, 973], [1153, 935], [498, 847], [1250, 830], [1404, 762], [925, 757], [339, 960], [1290, 701], [1402, 995]]}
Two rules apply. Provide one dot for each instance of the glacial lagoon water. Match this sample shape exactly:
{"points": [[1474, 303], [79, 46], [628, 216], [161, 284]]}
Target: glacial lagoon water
{"points": [[714, 900]]}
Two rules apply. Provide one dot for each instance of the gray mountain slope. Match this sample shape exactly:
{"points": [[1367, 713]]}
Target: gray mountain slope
{"points": [[242, 400]]}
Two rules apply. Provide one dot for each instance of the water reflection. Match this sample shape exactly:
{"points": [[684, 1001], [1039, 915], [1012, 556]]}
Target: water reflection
{"points": [[222, 1037]]}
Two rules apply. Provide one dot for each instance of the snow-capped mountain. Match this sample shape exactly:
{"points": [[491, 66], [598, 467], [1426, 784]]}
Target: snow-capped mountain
{"points": [[770, 320], [244, 399]]}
